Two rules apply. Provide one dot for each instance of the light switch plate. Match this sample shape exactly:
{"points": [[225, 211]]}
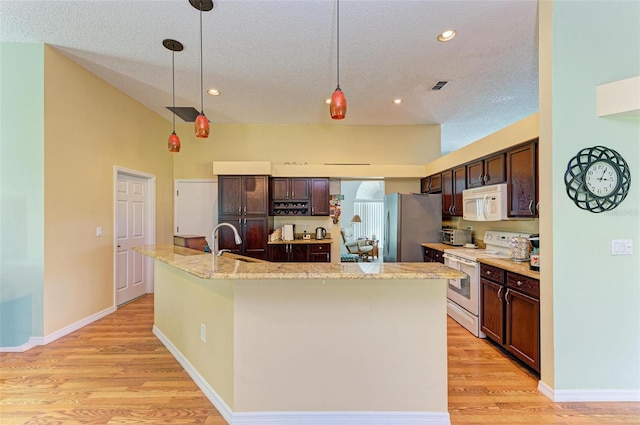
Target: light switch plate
{"points": [[622, 247]]}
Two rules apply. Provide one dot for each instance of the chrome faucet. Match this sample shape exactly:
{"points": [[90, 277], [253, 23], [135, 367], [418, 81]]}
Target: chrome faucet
{"points": [[236, 235]]}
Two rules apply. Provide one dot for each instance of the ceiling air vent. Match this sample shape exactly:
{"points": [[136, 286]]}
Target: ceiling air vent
{"points": [[439, 85]]}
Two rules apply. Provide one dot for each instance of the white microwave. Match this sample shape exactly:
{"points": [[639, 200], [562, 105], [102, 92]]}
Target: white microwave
{"points": [[486, 203]]}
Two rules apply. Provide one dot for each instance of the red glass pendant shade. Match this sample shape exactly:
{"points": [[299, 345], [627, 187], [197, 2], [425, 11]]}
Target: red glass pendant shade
{"points": [[202, 126], [338, 105], [174, 143]]}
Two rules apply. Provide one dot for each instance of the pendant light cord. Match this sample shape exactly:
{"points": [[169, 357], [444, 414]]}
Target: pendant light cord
{"points": [[173, 86], [201, 80], [338, 41]]}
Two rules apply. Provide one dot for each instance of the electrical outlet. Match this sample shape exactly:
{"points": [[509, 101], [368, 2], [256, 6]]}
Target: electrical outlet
{"points": [[98, 231], [203, 332]]}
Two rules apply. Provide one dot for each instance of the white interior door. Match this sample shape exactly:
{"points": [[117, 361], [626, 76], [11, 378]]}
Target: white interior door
{"points": [[131, 230], [196, 207]]}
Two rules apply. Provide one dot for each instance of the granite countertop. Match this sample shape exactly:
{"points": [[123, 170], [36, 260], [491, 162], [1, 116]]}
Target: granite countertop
{"points": [[437, 246], [511, 266], [209, 266], [503, 263], [301, 241]]}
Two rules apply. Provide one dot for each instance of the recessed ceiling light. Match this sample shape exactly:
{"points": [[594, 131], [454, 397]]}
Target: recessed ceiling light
{"points": [[397, 101], [213, 92], [446, 35]]}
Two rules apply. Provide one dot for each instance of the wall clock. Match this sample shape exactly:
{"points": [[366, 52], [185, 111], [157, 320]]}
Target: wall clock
{"points": [[597, 179]]}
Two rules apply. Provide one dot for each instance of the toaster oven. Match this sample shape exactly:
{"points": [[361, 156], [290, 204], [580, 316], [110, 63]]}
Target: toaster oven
{"points": [[455, 236]]}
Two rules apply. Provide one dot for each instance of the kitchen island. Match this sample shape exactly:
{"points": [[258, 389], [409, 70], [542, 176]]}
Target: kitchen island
{"points": [[315, 343]]}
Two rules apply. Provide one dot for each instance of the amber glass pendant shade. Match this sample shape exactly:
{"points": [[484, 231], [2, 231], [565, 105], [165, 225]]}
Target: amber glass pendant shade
{"points": [[174, 143], [338, 105], [202, 126]]}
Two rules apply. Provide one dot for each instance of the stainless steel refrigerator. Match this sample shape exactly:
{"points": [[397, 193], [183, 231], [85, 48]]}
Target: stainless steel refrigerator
{"points": [[410, 220]]}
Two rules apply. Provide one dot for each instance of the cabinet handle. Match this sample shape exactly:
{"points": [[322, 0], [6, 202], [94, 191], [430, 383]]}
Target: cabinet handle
{"points": [[487, 177], [239, 222], [245, 209], [506, 296], [481, 179], [499, 292], [488, 272], [531, 207], [519, 283], [239, 210], [537, 206]]}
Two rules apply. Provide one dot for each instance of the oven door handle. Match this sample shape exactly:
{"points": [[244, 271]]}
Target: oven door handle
{"points": [[467, 262]]}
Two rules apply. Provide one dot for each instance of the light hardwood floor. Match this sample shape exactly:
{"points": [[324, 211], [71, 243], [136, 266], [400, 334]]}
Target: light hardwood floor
{"points": [[115, 371]]}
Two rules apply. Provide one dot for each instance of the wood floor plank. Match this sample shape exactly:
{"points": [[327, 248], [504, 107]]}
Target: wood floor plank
{"points": [[116, 372]]}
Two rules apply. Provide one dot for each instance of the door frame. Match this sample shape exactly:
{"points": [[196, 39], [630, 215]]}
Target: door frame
{"points": [[150, 201]]}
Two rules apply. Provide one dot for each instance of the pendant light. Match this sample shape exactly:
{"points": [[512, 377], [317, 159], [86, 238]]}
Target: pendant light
{"points": [[202, 123], [338, 104], [174, 46]]}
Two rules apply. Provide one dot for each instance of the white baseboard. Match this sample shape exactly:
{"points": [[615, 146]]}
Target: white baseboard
{"points": [[342, 418], [44, 340], [307, 418], [560, 396], [208, 391]]}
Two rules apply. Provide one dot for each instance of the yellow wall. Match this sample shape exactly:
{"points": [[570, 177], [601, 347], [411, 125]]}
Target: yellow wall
{"points": [[518, 132], [313, 144], [90, 127]]}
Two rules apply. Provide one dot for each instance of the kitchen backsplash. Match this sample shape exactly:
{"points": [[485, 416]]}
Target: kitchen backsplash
{"points": [[478, 228]]}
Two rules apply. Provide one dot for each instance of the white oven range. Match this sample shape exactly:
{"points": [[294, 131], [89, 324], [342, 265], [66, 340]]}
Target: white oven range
{"points": [[463, 303]]}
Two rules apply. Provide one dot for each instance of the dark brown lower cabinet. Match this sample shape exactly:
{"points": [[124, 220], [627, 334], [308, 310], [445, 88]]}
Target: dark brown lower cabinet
{"points": [[431, 255], [523, 328], [300, 253], [253, 231], [510, 313]]}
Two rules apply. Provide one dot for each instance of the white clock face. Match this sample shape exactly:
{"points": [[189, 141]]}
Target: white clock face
{"points": [[601, 179]]}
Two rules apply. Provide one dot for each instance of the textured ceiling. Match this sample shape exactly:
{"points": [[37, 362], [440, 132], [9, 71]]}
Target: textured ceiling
{"points": [[275, 61]]}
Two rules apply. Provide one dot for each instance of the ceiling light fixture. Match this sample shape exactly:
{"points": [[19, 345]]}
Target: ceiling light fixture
{"points": [[338, 104], [397, 101], [213, 92], [202, 123], [446, 35], [174, 46]]}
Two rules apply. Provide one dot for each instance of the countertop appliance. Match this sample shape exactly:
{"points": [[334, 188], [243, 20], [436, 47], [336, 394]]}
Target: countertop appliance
{"points": [[455, 236], [288, 232], [321, 233], [486, 203], [463, 295], [409, 220]]}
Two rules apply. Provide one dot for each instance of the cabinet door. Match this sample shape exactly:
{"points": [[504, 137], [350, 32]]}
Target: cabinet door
{"points": [[280, 188], [438, 256], [492, 310], [320, 253], [447, 193], [435, 183], [255, 195], [459, 184], [229, 195], [521, 174], [278, 253], [254, 237], [299, 189], [494, 170], [424, 184], [475, 174], [299, 253], [320, 196], [225, 237], [523, 328]]}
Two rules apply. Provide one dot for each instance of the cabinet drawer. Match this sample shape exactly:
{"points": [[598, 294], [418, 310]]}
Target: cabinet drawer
{"points": [[320, 247], [492, 273], [524, 284]]}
